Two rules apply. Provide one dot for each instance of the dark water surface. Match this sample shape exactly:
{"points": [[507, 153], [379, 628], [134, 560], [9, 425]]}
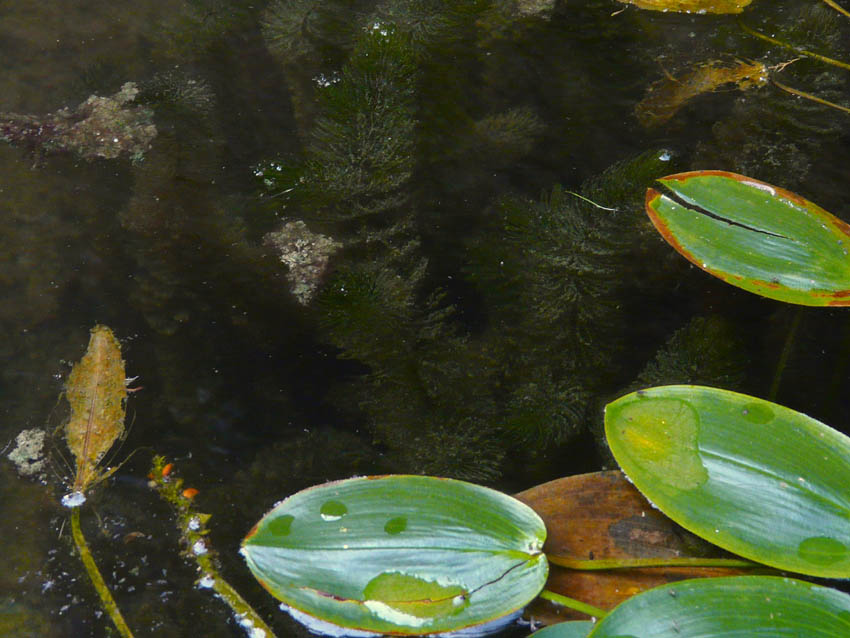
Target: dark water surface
{"points": [[470, 322]]}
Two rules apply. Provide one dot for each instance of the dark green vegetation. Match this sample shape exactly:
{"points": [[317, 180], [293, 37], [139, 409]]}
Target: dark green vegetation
{"points": [[477, 316]]}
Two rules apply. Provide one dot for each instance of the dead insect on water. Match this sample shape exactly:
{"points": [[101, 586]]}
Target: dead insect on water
{"points": [[97, 393]]}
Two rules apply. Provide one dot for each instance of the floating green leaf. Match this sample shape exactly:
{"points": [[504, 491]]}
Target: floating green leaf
{"points": [[400, 554], [730, 608], [759, 237], [756, 478]]}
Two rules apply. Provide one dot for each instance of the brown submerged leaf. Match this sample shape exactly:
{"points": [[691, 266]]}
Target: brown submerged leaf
{"points": [[96, 392], [665, 97], [691, 6], [602, 516]]}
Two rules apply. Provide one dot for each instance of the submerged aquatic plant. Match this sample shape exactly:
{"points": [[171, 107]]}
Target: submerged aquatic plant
{"points": [[770, 135], [353, 182], [705, 351], [360, 154], [664, 98], [427, 392], [96, 390], [551, 274]]}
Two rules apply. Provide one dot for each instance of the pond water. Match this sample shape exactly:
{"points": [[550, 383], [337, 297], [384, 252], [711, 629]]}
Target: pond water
{"points": [[343, 238]]}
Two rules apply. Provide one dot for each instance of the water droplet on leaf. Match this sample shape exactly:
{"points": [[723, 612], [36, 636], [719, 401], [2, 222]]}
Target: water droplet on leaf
{"points": [[333, 511], [396, 525], [281, 525], [757, 413], [822, 550]]}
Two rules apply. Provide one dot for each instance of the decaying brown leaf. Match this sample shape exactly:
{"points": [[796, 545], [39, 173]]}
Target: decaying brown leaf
{"points": [[97, 392], [665, 97], [691, 6], [601, 516]]}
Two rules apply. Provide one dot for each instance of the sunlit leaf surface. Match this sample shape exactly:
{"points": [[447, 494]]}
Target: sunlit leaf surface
{"points": [[731, 608], [756, 478], [400, 554], [756, 236]]}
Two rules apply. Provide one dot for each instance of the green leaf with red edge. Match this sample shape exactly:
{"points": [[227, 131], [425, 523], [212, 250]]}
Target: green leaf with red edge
{"points": [[755, 236], [401, 555]]}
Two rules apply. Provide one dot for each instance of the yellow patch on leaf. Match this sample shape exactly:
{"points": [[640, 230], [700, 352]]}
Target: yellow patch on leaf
{"points": [[97, 392], [664, 98]]}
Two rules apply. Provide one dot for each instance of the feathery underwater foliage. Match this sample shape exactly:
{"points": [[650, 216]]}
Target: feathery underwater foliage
{"points": [[553, 278], [705, 351], [555, 283], [770, 134], [354, 183], [360, 152]]}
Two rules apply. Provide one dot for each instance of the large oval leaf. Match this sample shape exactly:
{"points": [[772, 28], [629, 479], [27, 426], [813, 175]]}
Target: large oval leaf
{"points": [[756, 236], [400, 554], [731, 608], [753, 477]]}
